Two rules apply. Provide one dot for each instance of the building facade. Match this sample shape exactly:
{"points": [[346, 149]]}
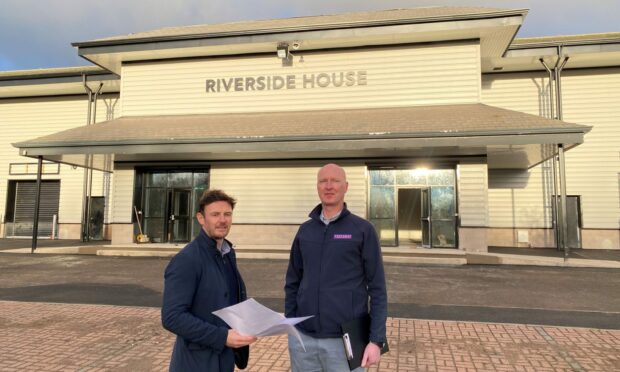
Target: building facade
{"points": [[452, 132]]}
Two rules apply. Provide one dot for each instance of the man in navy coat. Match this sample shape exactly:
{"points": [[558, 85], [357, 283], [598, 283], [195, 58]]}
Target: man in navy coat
{"points": [[201, 278]]}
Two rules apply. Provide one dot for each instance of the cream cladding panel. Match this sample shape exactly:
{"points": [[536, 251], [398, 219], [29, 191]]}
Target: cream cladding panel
{"points": [[593, 169], [28, 118], [590, 97], [122, 200], [473, 203], [520, 198], [281, 194], [403, 76]]}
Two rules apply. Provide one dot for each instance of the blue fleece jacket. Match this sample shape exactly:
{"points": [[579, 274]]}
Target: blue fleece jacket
{"points": [[333, 271]]}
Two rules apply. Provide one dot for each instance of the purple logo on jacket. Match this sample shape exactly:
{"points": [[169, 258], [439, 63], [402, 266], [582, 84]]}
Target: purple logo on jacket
{"points": [[343, 236]]}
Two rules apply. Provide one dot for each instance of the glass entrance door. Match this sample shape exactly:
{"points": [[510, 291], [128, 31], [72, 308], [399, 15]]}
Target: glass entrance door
{"points": [[414, 206], [179, 212], [443, 217], [166, 201], [425, 219]]}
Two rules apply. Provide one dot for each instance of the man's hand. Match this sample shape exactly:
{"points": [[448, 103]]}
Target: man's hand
{"points": [[236, 340], [372, 355]]}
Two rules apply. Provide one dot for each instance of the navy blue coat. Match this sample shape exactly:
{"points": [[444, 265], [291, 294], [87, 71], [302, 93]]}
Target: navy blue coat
{"points": [[333, 271], [195, 286]]}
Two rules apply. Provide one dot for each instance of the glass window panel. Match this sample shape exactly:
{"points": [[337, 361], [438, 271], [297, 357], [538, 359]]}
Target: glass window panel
{"points": [[441, 177], [195, 225], [155, 202], [381, 177], [181, 230], [180, 179], [381, 202], [386, 229], [443, 233], [201, 179], [442, 203], [410, 177], [198, 191], [181, 203], [154, 229], [157, 179], [426, 242]]}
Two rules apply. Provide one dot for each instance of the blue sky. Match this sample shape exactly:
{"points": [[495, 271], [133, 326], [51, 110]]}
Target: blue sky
{"points": [[38, 33]]}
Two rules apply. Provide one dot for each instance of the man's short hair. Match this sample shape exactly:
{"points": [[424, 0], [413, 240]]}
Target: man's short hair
{"points": [[212, 196]]}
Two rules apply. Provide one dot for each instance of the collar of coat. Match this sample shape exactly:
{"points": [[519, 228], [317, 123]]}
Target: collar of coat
{"points": [[316, 213], [210, 243]]}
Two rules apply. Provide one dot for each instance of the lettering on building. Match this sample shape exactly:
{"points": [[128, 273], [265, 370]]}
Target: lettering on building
{"points": [[287, 82]]}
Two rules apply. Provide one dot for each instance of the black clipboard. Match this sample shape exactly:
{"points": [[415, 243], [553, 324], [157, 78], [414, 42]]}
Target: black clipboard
{"points": [[355, 337]]}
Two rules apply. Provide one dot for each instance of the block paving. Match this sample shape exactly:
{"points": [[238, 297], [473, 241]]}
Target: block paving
{"points": [[74, 337]]}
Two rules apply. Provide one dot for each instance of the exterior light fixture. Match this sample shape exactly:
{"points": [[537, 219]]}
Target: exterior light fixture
{"points": [[282, 51], [284, 54]]}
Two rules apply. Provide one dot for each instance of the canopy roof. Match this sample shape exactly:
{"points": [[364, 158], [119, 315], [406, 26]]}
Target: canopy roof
{"points": [[510, 139]]}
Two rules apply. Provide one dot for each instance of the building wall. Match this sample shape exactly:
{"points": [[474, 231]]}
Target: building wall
{"points": [[472, 195], [590, 97], [122, 195], [28, 118], [395, 76], [283, 193], [472, 186], [271, 194]]}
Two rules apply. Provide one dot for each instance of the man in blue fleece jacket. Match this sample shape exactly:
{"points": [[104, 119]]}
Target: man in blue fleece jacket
{"points": [[335, 268]]}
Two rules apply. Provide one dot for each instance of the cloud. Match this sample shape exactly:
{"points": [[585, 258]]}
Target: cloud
{"points": [[38, 34]]}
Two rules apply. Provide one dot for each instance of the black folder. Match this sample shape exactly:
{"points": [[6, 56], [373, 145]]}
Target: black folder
{"points": [[355, 337]]}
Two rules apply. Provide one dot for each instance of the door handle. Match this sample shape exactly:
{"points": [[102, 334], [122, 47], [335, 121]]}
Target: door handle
{"points": [[172, 217]]}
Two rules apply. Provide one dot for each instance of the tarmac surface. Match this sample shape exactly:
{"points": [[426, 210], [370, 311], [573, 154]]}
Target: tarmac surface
{"points": [[96, 313]]}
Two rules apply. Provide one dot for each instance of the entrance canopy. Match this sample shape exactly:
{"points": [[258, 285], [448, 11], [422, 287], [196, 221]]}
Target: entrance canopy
{"points": [[509, 139]]}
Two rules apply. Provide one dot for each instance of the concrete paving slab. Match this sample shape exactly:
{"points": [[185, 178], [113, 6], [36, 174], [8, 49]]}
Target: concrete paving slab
{"points": [[76, 337]]}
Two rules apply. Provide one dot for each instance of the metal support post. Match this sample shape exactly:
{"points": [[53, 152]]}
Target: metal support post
{"points": [[37, 203], [556, 192], [563, 201]]}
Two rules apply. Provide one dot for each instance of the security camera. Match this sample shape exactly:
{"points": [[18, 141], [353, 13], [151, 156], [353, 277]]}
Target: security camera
{"points": [[296, 45]]}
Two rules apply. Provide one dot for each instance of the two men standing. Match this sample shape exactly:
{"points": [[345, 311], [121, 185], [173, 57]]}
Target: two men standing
{"points": [[335, 273]]}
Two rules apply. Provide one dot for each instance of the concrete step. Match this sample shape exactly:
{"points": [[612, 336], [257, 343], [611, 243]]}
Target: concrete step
{"points": [[136, 253], [282, 252], [405, 255]]}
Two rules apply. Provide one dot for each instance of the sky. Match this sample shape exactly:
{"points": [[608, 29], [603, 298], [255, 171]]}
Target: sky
{"points": [[38, 33]]}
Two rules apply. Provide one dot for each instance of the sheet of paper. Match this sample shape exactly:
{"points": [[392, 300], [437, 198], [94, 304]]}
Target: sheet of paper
{"points": [[250, 318]]}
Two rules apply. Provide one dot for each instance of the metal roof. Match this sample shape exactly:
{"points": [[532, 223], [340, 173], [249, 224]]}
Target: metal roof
{"points": [[57, 72], [343, 20], [509, 139], [579, 39], [397, 122]]}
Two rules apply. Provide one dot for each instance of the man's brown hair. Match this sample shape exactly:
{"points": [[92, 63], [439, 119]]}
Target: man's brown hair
{"points": [[212, 196]]}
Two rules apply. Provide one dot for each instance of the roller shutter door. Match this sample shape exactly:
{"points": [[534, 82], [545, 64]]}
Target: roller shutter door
{"points": [[25, 194]]}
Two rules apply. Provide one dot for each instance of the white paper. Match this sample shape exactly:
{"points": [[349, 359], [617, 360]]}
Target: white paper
{"points": [[250, 318]]}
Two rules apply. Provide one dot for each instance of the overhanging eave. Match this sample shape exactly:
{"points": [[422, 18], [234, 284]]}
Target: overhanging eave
{"points": [[516, 151]]}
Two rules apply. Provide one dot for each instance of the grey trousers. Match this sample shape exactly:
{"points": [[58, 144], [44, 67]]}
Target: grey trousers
{"points": [[321, 355]]}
